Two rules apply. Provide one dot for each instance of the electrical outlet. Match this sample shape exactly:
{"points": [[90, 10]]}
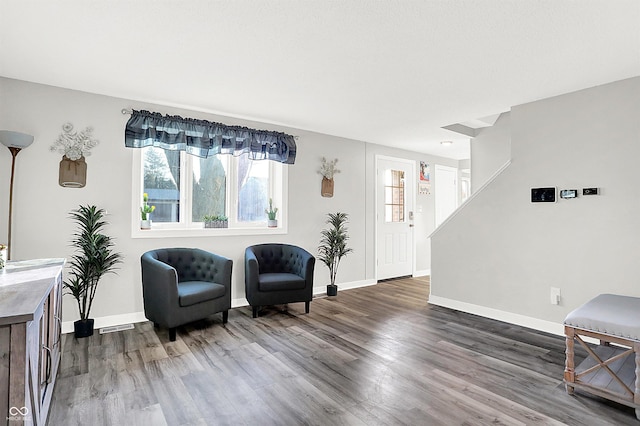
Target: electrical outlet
{"points": [[555, 296], [589, 191]]}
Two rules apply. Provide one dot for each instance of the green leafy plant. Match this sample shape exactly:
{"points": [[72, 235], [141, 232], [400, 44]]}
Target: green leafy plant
{"points": [[271, 212], [146, 208], [333, 244], [214, 218], [93, 257]]}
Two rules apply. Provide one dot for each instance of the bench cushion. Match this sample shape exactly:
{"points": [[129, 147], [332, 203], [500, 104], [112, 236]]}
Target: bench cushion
{"points": [[610, 314]]}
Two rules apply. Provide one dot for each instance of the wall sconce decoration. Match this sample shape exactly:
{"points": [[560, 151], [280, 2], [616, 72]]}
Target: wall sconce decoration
{"points": [[327, 170], [73, 146], [15, 141]]}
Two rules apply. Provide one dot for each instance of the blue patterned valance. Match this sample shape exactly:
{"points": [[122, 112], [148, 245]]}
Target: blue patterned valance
{"points": [[205, 138]]}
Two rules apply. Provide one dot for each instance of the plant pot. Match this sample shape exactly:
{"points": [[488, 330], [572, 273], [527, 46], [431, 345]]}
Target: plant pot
{"points": [[83, 328], [327, 187], [272, 223], [145, 224], [332, 290], [73, 173]]}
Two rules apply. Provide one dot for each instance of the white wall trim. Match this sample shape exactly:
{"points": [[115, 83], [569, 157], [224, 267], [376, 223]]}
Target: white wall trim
{"points": [[345, 286], [422, 273], [496, 314], [472, 196], [108, 321], [113, 320]]}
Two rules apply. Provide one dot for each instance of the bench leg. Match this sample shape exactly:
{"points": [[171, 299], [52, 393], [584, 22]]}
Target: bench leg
{"points": [[569, 366], [636, 393]]}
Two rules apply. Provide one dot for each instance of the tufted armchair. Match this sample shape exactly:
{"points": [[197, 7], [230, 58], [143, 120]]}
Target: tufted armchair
{"points": [[181, 285], [277, 274]]}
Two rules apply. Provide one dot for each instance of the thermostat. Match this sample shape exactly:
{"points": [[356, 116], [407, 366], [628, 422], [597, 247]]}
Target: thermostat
{"points": [[568, 193], [543, 195]]}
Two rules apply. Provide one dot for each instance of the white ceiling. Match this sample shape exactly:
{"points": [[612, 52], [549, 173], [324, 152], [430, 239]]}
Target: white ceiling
{"points": [[389, 72]]}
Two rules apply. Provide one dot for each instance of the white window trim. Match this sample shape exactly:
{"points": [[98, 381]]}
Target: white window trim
{"points": [[177, 231]]}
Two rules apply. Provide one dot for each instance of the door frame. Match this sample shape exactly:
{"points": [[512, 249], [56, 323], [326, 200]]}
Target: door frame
{"points": [[456, 190], [410, 181]]}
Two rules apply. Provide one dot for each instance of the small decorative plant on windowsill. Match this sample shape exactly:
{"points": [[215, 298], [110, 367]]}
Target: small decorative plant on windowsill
{"points": [[271, 214], [215, 221], [145, 212], [3, 255]]}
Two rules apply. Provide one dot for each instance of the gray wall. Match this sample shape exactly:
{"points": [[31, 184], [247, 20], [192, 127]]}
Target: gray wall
{"points": [[490, 150], [500, 254], [42, 228]]}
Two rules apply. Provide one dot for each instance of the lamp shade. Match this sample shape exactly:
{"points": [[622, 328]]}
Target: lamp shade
{"points": [[15, 139]]}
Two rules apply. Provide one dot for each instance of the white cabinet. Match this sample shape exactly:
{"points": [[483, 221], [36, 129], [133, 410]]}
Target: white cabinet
{"points": [[30, 327]]}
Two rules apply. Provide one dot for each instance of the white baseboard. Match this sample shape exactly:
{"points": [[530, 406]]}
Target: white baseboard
{"points": [[345, 286], [496, 314], [108, 321], [113, 320], [422, 273]]}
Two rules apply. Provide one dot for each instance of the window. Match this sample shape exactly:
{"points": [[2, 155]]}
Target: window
{"points": [[184, 188], [394, 196]]}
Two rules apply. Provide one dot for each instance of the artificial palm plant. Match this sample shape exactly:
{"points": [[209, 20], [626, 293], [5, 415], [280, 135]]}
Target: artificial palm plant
{"points": [[94, 256], [333, 246]]}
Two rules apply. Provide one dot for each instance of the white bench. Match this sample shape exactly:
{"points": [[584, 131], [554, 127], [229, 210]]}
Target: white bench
{"points": [[611, 372]]}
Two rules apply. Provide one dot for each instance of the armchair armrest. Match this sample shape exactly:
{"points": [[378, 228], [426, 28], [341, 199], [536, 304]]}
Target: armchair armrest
{"points": [[159, 285], [250, 272]]}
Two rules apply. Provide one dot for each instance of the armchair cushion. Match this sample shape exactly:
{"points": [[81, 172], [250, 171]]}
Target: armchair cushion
{"points": [[192, 292], [280, 281]]}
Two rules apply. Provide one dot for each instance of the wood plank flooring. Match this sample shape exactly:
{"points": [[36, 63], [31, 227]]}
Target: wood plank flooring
{"points": [[378, 355]]}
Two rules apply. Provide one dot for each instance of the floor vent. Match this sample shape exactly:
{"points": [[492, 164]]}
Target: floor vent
{"points": [[115, 328]]}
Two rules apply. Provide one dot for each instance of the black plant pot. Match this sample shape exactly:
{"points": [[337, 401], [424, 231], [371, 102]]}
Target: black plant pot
{"points": [[332, 290], [83, 328]]}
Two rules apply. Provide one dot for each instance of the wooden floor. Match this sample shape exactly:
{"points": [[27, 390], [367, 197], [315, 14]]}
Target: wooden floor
{"points": [[378, 355]]}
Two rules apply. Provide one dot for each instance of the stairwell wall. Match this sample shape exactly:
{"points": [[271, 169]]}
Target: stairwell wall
{"points": [[499, 255]]}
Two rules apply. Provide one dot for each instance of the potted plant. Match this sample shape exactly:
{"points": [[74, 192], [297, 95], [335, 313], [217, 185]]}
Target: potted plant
{"points": [[93, 257], [215, 221], [3, 255], [327, 170], [271, 214], [333, 247], [145, 212]]}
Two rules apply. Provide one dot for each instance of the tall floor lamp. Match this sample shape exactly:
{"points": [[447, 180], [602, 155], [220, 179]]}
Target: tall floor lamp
{"points": [[15, 141]]}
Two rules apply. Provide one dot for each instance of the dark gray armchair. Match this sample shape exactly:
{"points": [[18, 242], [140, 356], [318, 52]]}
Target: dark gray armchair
{"points": [[277, 274], [181, 285]]}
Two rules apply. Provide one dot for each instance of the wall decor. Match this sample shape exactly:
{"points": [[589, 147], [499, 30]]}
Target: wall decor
{"points": [[327, 170], [74, 147], [424, 184]]}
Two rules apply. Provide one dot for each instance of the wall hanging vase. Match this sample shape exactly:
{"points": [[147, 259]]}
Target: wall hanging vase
{"points": [[327, 187], [327, 170], [73, 146], [73, 173]]}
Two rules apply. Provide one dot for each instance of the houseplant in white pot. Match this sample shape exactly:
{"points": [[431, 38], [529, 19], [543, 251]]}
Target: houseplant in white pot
{"points": [[271, 214], [145, 212], [333, 247], [93, 257]]}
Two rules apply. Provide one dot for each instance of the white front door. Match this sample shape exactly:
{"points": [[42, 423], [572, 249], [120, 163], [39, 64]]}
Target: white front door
{"points": [[395, 185], [446, 189]]}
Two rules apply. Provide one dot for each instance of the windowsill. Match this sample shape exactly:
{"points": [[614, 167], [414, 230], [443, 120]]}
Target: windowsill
{"points": [[204, 232]]}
